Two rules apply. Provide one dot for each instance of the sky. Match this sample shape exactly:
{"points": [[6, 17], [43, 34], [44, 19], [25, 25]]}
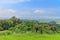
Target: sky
{"points": [[30, 9]]}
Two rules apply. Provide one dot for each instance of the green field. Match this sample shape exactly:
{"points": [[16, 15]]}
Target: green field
{"points": [[17, 29], [47, 21], [31, 36]]}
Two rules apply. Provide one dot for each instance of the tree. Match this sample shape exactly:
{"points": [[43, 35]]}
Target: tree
{"points": [[36, 27], [14, 21], [52, 23]]}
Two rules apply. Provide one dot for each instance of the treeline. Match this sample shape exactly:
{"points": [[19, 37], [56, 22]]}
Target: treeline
{"points": [[18, 25]]}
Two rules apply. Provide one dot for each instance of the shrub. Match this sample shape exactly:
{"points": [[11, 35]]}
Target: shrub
{"points": [[5, 32]]}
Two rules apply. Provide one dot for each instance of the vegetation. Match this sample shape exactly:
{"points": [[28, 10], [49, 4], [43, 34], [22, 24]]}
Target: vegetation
{"points": [[17, 29], [17, 25], [31, 36]]}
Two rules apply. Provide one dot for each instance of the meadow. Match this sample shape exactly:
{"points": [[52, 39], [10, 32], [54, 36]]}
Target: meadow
{"points": [[30, 36], [18, 29]]}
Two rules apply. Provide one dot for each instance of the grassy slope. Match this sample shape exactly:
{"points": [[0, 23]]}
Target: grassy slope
{"points": [[31, 36], [46, 21]]}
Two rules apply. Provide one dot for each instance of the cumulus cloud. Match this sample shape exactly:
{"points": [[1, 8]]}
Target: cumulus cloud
{"points": [[49, 17], [11, 12], [45, 11], [39, 11], [13, 1], [30, 14], [7, 12]]}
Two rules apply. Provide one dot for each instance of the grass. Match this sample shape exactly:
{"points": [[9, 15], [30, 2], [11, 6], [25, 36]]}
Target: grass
{"points": [[31, 36], [47, 21]]}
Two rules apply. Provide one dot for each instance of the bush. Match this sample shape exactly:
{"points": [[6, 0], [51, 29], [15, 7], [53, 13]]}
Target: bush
{"points": [[1, 29], [5, 32]]}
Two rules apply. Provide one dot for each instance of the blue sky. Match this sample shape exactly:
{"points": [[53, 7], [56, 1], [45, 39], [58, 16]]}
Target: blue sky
{"points": [[30, 9]]}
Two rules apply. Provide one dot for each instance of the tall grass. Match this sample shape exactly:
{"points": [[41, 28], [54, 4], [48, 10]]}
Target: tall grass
{"points": [[31, 36]]}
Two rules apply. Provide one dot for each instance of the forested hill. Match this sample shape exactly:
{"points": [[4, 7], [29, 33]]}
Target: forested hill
{"points": [[18, 25]]}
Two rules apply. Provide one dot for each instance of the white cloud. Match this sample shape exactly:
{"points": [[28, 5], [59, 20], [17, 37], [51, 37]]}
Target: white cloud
{"points": [[7, 12], [39, 11], [11, 12], [50, 17], [13, 1], [45, 11]]}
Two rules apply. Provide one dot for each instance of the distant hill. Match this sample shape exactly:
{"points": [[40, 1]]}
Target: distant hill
{"points": [[46, 21]]}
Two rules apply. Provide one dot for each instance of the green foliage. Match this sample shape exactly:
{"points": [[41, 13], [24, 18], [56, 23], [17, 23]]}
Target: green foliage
{"points": [[1, 29], [17, 25], [5, 32]]}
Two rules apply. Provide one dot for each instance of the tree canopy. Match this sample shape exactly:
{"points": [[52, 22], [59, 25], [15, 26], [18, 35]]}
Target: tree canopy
{"points": [[18, 25]]}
